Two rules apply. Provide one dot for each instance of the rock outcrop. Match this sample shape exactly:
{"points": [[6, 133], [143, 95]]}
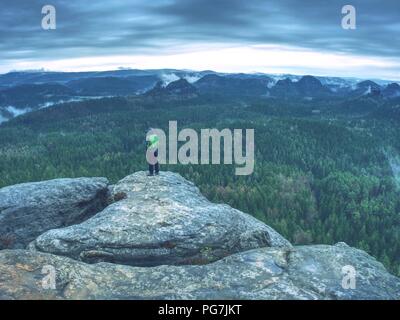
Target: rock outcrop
{"points": [[159, 220], [29, 209], [306, 272], [177, 89], [159, 238], [306, 87]]}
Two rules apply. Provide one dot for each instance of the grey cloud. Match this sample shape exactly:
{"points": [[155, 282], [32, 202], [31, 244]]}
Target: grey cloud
{"points": [[119, 27]]}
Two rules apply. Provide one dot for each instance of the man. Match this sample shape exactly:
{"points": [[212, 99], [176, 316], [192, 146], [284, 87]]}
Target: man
{"points": [[152, 153]]}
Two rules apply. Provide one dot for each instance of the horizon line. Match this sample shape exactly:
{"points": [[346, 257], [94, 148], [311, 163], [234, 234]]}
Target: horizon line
{"points": [[195, 70]]}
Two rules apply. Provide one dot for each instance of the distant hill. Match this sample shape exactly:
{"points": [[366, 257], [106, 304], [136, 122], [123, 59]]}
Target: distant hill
{"points": [[391, 91], [26, 91], [28, 94], [367, 87], [111, 86], [306, 87], [180, 88], [216, 84]]}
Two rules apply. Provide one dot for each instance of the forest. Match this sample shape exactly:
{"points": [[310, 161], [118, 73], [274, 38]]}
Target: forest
{"points": [[319, 177]]}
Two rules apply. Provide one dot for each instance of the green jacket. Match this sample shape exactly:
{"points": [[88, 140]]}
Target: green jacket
{"points": [[152, 142]]}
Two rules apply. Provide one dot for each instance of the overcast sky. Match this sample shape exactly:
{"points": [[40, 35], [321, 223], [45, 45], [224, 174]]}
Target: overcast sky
{"points": [[285, 36]]}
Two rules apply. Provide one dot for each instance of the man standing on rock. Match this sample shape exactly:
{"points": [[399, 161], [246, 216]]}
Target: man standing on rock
{"points": [[152, 152]]}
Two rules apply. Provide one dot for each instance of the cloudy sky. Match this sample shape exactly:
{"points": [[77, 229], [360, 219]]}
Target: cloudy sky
{"points": [[285, 36]]}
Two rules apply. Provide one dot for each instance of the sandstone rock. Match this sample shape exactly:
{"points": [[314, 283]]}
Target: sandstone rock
{"points": [[306, 272], [159, 220], [166, 241], [29, 209]]}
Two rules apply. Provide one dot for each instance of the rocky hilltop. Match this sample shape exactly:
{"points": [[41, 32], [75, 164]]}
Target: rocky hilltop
{"points": [[159, 238]]}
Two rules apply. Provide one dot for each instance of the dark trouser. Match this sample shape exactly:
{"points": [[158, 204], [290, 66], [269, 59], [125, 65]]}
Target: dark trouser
{"points": [[154, 167]]}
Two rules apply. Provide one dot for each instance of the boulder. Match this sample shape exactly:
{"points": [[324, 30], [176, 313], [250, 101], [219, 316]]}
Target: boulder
{"points": [[159, 220], [305, 272], [29, 209]]}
